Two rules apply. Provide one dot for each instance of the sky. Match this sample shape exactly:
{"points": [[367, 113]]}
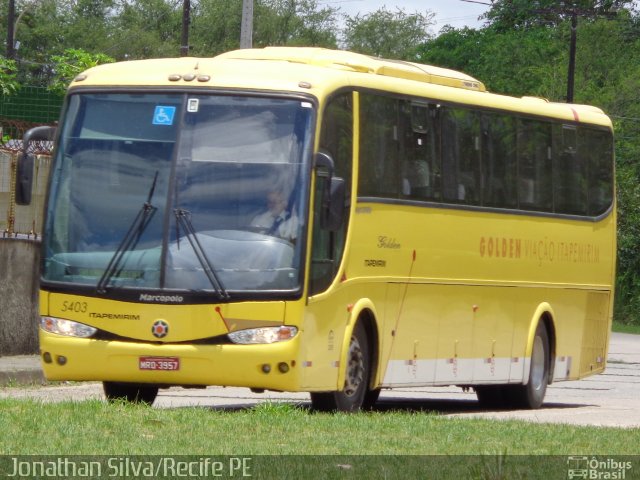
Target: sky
{"points": [[456, 13]]}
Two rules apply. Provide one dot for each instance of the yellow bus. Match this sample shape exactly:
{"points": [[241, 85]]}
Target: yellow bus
{"points": [[302, 219]]}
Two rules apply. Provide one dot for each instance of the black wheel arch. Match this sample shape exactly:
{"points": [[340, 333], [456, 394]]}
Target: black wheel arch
{"points": [[549, 324], [367, 318]]}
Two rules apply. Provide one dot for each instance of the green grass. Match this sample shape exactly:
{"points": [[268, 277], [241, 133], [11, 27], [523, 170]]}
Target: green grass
{"points": [[96, 427], [625, 328], [272, 438]]}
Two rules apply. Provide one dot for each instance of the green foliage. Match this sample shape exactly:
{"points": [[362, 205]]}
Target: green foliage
{"points": [[626, 328], [294, 23], [628, 281], [146, 29], [216, 27], [71, 63], [136, 29], [507, 15], [8, 77], [515, 62], [387, 34]]}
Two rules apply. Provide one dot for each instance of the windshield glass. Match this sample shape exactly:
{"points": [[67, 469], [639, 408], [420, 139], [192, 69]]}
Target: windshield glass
{"points": [[203, 193]]}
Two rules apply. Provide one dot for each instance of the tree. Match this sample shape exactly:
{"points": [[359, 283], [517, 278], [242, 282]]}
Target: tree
{"points": [[8, 77], [295, 23], [517, 62], [47, 27], [71, 63], [388, 34], [215, 27], [506, 15], [146, 29]]}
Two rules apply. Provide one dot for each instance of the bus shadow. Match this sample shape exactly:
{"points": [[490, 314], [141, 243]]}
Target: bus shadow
{"points": [[408, 405], [454, 406]]}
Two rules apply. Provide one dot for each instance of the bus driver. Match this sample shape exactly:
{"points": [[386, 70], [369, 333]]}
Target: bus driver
{"points": [[277, 219]]}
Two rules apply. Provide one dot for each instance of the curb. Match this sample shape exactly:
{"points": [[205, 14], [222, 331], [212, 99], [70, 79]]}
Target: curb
{"points": [[21, 377], [20, 370]]}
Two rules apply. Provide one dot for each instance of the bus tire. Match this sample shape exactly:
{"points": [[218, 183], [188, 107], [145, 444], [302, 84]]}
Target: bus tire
{"points": [[531, 395], [130, 392], [356, 385]]}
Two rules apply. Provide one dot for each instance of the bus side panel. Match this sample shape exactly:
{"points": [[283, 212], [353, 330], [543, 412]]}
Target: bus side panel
{"points": [[452, 334], [467, 285]]}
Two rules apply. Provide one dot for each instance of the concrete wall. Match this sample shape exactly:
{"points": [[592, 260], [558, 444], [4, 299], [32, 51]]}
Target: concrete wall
{"points": [[19, 274]]}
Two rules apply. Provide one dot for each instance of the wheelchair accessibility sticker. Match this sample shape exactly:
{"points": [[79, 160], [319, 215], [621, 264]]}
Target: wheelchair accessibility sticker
{"points": [[163, 115]]}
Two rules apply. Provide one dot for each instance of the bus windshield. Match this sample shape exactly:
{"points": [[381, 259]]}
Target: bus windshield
{"points": [[203, 193]]}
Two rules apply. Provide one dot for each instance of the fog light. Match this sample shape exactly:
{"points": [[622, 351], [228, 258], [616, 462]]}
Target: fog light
{"points": [[283, 367], [46, 356], [62, 360], [266, 368]]}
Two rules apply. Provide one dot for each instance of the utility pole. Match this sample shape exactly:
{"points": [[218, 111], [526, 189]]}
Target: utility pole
{"points": [[246, 27], [184, 42], [11, 52], [572, 57], [574, 13]]}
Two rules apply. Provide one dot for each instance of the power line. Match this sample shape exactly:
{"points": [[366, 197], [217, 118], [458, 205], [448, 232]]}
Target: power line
{"points": [[474, 1]]}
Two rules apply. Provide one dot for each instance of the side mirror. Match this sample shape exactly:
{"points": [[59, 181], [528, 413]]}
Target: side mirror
{"points": [[324, 165], [26, 160], [332, 191]]}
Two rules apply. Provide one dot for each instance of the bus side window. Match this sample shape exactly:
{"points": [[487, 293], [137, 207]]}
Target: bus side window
{"points": [[380, 147], [461, 156], [535, 190], [599, 152], [336, 138], [499, 165], [421, 166], [569, 177]]}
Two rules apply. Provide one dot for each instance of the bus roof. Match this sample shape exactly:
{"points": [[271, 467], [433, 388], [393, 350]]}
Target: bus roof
{"points": [[321, 71]]}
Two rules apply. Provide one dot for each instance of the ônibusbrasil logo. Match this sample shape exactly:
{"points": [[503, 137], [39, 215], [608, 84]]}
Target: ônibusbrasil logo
{"points": [[589, 468]]}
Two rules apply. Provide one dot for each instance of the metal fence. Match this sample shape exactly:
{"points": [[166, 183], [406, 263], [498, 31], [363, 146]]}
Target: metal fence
{"points": [[32, 104], [29, 107]]}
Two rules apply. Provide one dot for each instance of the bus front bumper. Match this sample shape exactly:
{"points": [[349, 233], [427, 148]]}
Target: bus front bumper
{"points": [[272, 366]]}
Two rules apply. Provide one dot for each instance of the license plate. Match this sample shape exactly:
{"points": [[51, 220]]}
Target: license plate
{"points": [[159, 363]]}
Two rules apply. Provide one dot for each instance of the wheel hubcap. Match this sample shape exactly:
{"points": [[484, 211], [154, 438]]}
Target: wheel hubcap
{"points": [[537, 364]]}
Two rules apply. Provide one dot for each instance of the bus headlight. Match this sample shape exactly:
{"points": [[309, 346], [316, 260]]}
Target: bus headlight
{"points": [[69, 328], [254, 336]]}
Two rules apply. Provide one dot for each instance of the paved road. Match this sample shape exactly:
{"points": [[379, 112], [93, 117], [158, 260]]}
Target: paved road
{"points": [[609, 399]]}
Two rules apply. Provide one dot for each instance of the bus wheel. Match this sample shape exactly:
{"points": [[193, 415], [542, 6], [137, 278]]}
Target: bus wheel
{"points": [[352, 396], [130, 392], [532, 394]]}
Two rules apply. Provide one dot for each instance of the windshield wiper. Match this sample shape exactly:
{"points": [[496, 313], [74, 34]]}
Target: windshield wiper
{"points": [[130, 240], [183, 218]]}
